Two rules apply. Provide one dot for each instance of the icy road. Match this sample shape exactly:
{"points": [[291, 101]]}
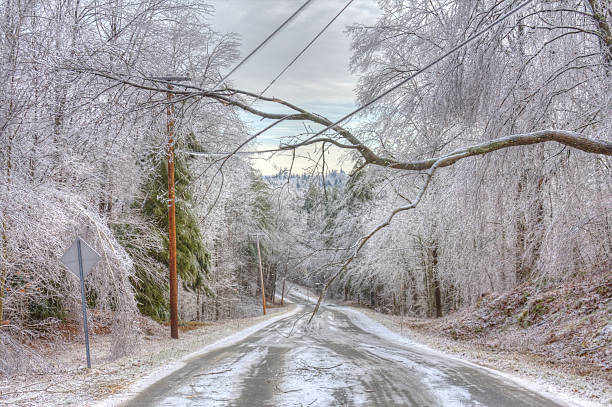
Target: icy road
{"points": [[341, 359]]}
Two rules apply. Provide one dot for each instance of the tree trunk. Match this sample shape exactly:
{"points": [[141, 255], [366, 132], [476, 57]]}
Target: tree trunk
{"points": [[347, 290], [4, 253], [521, 232], [415, 295], [605, 39], [395, 307], [273, 284], [198, 312], [216, 307], [529, 238], [436, 283], [283, 293], [3, 270]]}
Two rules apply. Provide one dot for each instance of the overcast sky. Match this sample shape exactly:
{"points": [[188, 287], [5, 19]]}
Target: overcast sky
{"points": [[319, 81]]}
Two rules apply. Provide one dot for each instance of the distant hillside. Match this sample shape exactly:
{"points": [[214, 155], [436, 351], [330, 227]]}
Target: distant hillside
{"points": [[299, 182]]}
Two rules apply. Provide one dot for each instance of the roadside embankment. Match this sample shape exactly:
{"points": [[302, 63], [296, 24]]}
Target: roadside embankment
{"points": [[558, 338]]}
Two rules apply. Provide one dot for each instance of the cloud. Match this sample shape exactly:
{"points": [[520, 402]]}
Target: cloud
{"points": [[320, 80]]}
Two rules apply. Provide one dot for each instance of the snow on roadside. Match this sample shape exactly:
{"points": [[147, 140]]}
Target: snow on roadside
{"points": [[571, 389], [68, 383], [302, 293], [168, 369], [447, 394]]}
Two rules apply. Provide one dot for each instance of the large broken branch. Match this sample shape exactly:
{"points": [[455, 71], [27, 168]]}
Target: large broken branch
{"points": [[565, 137], [230, 97]]}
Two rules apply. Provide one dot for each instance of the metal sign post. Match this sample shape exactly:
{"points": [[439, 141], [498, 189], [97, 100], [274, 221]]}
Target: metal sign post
{"points": [[80, 258], [83, 306]]}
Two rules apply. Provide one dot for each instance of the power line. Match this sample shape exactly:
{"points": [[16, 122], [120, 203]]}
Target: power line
{"points": [[306, 47], [420, 71], [291, 17]]}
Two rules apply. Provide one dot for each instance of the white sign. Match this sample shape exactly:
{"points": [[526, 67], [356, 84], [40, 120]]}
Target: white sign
{"points": [[71, 258]]}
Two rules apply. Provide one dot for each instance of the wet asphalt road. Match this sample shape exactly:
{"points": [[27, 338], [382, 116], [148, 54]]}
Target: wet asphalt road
{"points": [[331, 362]]}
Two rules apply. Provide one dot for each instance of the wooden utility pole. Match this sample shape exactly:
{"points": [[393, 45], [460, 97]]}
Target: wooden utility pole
{"points": [[263, 292], [3, 271], [172, 208], [172, 222]]}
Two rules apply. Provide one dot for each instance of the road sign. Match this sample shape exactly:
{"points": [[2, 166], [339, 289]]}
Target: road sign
{"points": [[71, 258], [80, 259]]}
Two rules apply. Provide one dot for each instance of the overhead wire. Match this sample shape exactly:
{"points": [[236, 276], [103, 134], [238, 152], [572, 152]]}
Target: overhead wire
{"points": [[306, 47], [321, 32], [420, 71], [268, 38]]}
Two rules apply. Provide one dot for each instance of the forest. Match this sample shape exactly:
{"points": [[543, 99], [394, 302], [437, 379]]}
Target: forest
{"points": [[480, 163]]}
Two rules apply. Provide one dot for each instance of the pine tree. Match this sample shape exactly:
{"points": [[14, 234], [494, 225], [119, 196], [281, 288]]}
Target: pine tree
{"points": [[261, 210], [262, 206], [192, 258]]}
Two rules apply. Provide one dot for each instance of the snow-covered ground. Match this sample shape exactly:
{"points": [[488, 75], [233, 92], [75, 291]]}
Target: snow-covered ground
{"points": [[345, 357], [222, 377], [573, 389], [68, 383], [342, 358]]}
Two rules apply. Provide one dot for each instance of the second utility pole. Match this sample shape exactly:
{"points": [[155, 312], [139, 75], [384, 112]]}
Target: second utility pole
{"points": [[263, 292]]}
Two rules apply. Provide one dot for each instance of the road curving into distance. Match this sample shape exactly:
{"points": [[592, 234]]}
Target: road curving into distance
{"points": [[341, 359]]}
